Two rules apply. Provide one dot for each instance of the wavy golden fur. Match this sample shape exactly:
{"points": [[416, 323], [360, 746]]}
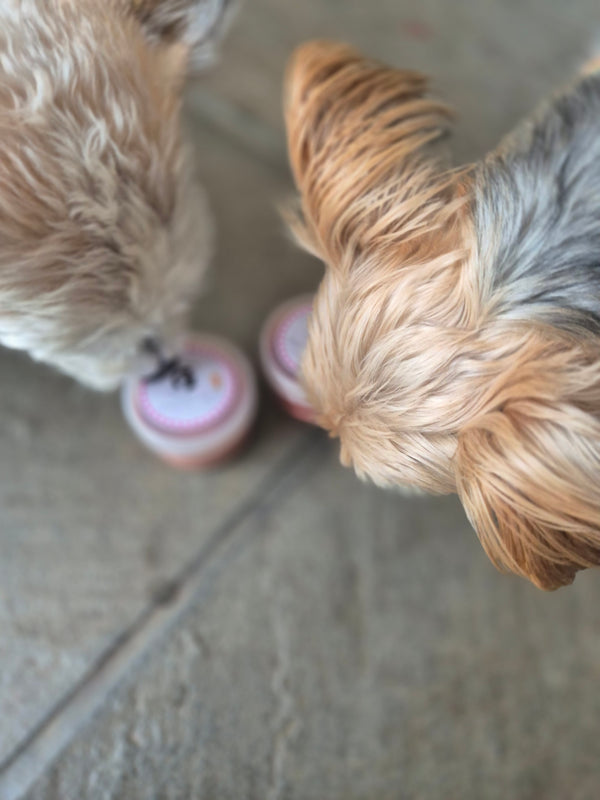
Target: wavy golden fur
{"points": [[104, 237], [454, 342]]}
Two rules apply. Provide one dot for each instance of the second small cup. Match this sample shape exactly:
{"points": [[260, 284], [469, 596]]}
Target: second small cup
{"points": [[282, 342]]}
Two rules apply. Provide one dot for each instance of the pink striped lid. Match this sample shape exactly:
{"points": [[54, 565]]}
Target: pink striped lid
{"points": [[289, 338], [183, 410]]}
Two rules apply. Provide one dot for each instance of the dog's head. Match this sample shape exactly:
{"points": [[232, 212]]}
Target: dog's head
{"points": [[412, 359], [103, 236]]}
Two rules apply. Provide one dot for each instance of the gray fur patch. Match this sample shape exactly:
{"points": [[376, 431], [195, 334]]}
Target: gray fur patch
{"points": [[537, 214]]}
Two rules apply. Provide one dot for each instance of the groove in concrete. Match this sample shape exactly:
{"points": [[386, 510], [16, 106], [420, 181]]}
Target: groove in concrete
{"points": [[20, 770]]}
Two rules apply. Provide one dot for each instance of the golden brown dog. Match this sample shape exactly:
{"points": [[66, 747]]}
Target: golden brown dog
{"points": [[103, 235], [455, 339]]}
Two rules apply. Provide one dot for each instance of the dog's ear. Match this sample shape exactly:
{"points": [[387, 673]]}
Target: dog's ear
{"points": [[342, 107], [358, 135], [196, 25], [527, 469]]}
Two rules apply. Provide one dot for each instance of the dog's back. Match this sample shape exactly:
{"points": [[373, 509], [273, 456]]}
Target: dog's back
{"points": [[536, 204]]}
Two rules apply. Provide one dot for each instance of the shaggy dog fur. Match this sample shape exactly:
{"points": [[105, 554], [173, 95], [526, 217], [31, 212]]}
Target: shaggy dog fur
{"points": [[103, 235], [455, 339]]}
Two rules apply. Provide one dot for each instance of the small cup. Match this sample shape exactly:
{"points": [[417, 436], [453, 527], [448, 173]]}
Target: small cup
{"points": [[201, 422], [282, 342]]}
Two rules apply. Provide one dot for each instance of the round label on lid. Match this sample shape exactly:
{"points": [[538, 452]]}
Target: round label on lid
{"points": [[177, 408], [291, 337]]}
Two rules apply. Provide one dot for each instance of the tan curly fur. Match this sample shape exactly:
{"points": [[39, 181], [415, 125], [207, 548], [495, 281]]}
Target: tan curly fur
{"points": [[432, 352], [104, 237]]}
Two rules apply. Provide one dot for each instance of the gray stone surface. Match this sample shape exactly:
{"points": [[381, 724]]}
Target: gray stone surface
{"points": [[275, 630], [357, 649], [490, 58]]}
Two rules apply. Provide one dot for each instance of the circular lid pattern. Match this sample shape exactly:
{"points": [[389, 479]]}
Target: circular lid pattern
{"points": [[290, 337], [176, 408]]}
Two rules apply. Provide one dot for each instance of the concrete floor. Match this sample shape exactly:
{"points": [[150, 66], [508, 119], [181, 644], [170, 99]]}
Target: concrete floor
{"points": [[276, 630]]}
